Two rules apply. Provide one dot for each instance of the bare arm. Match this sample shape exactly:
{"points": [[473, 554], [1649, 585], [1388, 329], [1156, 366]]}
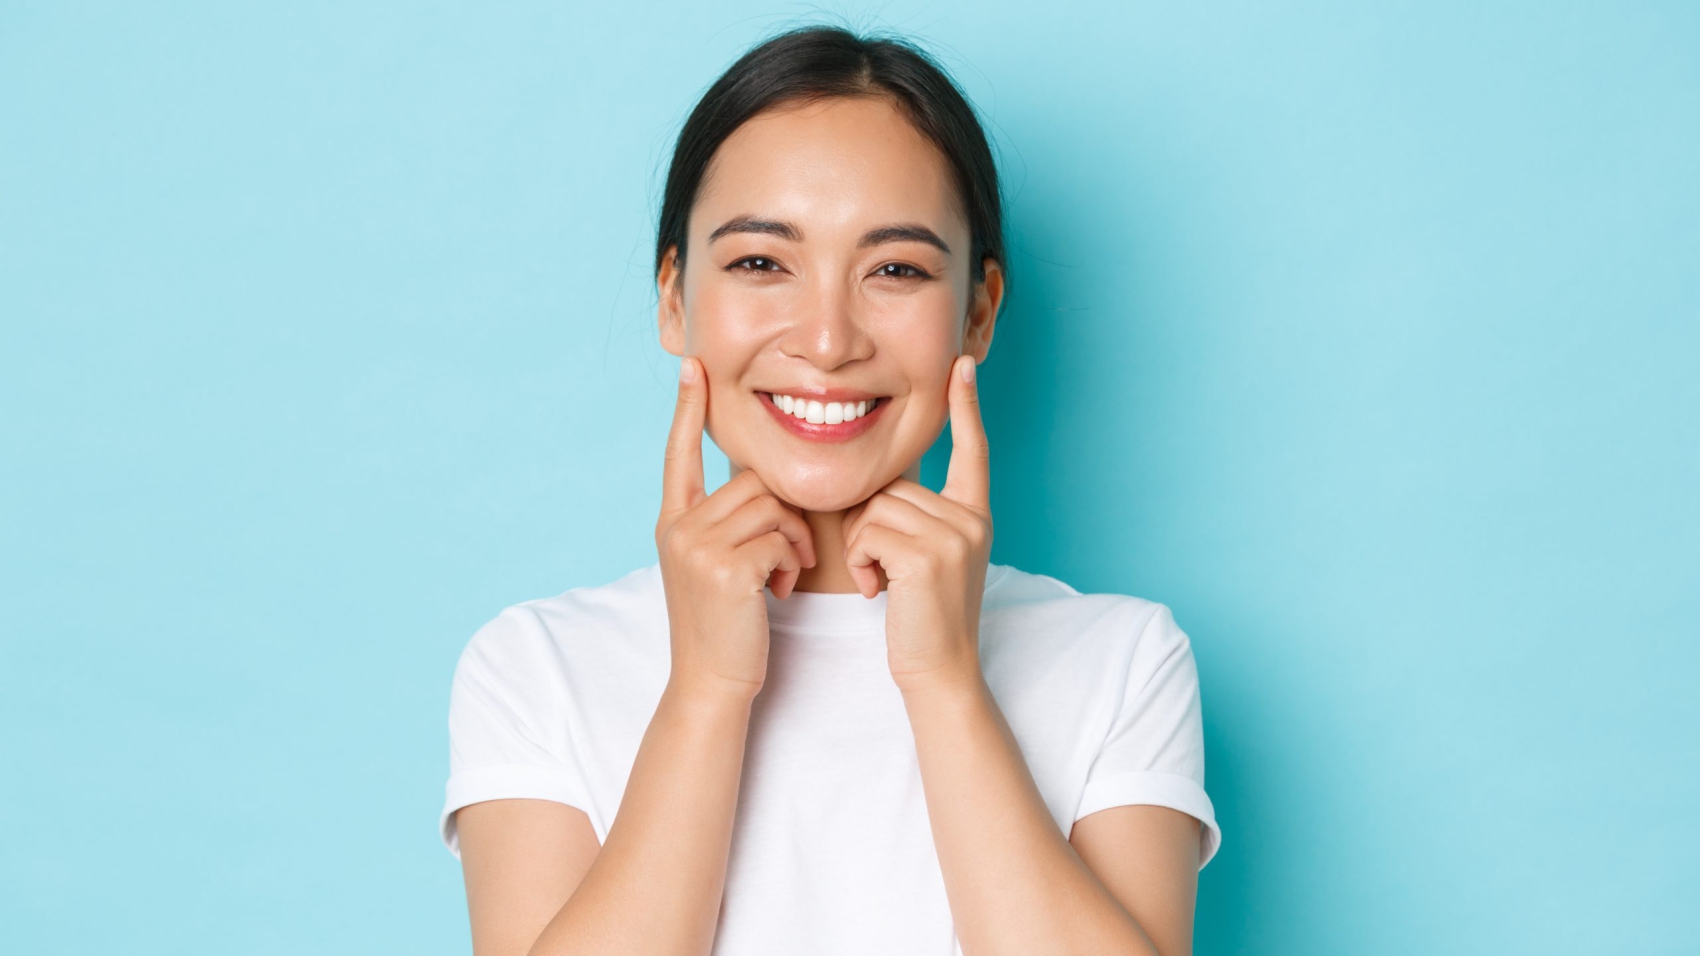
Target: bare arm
{"points": [[534, 882], [537, 884], [1148, 858], [1016, 885], [521, 859]]}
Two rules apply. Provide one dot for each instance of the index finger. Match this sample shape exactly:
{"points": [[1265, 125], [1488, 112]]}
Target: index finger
{"points": [[969, 478], [681, 476]]}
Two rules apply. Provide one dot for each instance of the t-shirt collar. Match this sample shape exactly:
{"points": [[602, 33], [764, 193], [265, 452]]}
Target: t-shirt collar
{"points": [[851, 613], [825, 611]]}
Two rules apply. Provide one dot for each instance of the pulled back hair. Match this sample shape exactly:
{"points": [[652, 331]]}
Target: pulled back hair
{"points": [[814, 63]]}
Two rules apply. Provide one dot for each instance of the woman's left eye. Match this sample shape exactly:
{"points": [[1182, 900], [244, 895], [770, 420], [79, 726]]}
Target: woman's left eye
{"points": [[896, 270]]}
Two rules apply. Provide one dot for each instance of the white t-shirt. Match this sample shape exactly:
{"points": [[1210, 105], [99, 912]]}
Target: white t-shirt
{"points": [[831, 848]]}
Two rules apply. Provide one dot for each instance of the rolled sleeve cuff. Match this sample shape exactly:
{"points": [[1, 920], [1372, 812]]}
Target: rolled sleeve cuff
{"points": [[1156, 788], [507, 781]]}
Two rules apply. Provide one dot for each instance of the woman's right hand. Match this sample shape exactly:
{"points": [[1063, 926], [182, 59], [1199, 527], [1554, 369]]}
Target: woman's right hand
{"points": [[717, 554]]}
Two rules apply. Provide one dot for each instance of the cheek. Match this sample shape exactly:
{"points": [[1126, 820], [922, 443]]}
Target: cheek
{"points": [[928, 401], [924, 338], [933, 409], [723, 340], [924, 326], [721, 321]]}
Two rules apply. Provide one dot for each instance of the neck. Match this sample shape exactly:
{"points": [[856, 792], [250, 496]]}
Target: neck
{"points": [[831, 572]]}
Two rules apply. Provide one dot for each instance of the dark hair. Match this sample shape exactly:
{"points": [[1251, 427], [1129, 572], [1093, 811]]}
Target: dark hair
{"points": [[811, 63]]}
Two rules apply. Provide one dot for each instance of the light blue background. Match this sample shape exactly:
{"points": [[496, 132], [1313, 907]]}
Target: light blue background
{"points": [[1365, 336]]}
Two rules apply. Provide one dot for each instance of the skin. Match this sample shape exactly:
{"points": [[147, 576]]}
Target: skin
{"points": [[902, 319]]}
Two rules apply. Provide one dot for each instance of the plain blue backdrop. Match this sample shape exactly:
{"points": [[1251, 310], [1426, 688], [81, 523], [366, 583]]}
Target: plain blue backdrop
{"points": [[1362, 335]]}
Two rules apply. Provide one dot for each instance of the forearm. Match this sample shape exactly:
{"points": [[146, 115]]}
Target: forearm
{"points": [[1014, 883], [656, 884]]}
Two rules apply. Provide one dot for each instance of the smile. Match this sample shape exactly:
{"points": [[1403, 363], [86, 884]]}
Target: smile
{"points": [[824, 421]]}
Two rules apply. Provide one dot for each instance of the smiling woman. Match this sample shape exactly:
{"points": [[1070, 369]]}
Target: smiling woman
{"points": [[823, 721]]}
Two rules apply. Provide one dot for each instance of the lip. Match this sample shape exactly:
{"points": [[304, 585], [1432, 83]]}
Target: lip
{"points": [[827, 434], [824, 395]]}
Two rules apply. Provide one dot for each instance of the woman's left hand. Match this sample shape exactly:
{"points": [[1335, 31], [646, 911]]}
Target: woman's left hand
{"points": [[934, 549]]}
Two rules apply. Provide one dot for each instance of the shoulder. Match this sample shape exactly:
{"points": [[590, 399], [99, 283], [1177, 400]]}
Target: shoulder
{"points": [[1052, 605], [536, 636]]}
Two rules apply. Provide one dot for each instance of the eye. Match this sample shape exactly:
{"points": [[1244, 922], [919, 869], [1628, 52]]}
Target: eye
{"points": [[900, 270], [754, 264]]}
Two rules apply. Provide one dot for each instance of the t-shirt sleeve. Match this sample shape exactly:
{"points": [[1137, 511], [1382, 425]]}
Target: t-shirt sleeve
{"points": [[507, 722], [1154, 750]]}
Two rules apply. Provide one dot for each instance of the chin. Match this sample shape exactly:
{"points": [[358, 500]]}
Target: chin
{"points": [[811, 491], [819, 499]]}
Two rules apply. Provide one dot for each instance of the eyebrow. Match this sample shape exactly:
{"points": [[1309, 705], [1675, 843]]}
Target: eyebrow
{"points": [[770, 227], [904, 232], [899, 232]]}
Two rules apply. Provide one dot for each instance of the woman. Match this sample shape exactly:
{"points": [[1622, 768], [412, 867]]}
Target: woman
{"points": [[827, 724]]}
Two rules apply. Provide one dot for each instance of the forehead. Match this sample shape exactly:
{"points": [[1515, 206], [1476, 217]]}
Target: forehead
{"points": [[843, 162]]}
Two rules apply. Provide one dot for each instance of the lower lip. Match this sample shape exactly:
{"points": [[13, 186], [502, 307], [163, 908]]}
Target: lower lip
{"points": [[843, 431]]}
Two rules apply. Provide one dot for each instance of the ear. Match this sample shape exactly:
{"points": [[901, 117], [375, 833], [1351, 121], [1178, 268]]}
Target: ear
{"points": [[670, 312], [987, 296]]}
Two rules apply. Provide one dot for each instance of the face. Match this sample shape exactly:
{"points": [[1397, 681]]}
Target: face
{"points": [[827, 290]]}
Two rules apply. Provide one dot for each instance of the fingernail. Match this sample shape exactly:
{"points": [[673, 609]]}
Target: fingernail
{"points": [[968, 369], [687, 372]]}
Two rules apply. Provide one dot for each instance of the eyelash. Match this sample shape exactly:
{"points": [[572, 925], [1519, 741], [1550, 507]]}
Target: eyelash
{"points": [[735, 267], [916, 272]]}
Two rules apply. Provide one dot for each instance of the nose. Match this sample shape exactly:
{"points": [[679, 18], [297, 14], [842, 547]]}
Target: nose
{"points": [[826, 331]]}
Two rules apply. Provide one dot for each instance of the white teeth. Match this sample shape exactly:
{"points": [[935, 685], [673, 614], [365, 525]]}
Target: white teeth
{"points": [[822, 413]]}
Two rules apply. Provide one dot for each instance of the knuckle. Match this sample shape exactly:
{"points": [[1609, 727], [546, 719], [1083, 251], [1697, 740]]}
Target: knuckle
{"points": [[667, 537], [684, 548], [724, 574], [978, 535], [763, 555]]}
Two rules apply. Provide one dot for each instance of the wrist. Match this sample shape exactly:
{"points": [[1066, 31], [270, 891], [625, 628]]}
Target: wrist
{"points": [[965, 680], [711, 691]]}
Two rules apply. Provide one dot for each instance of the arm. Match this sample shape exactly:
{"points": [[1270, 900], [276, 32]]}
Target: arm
{"points": [[537, 884], [1148, 858], [1015, 884], [654, 887]]}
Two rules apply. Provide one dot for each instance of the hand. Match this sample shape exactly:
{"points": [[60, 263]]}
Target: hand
{"points": [[717, 553], [934, 549]]}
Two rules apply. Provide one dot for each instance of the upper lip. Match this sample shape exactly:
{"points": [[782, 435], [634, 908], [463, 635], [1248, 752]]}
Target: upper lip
{"points": [[825, 394]]}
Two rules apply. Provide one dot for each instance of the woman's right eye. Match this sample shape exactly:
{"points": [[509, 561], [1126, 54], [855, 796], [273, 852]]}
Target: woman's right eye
{"points": [[754, 264]]}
